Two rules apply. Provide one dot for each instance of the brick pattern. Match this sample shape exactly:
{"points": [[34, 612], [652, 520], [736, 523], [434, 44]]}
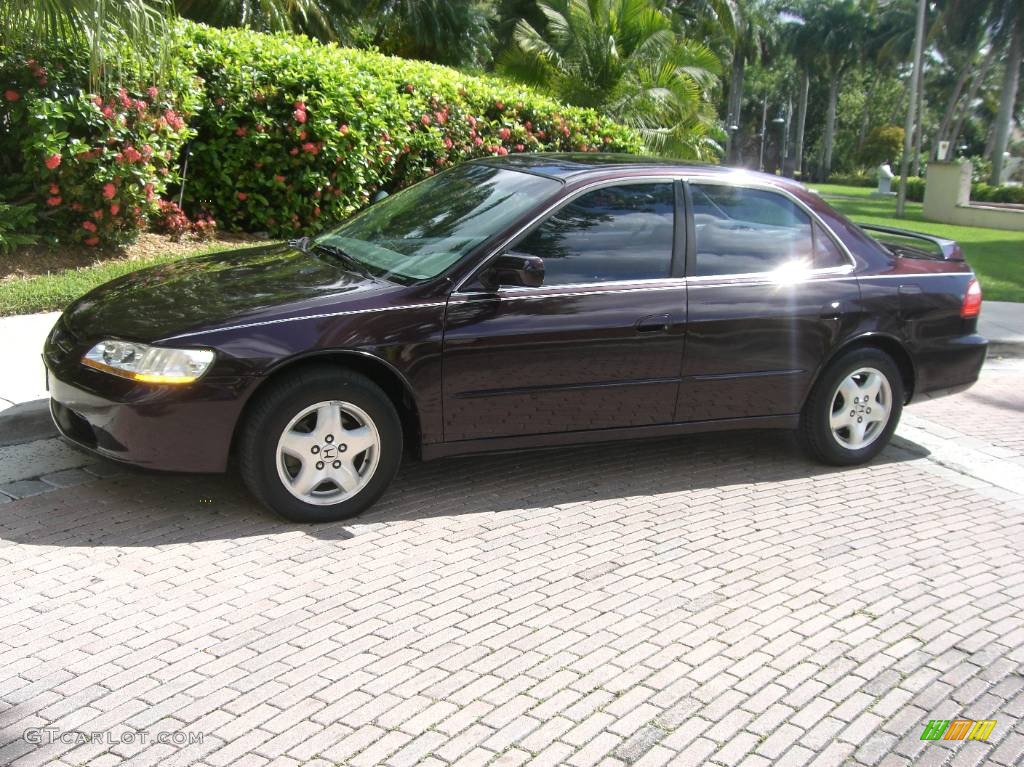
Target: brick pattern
{"points": [[707, 600]]}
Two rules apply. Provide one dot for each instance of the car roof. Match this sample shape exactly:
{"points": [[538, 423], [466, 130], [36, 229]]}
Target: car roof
{"points": [[571, 166]]}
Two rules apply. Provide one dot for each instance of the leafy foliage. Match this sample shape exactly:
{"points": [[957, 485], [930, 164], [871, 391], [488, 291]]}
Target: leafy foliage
{"points": [[16, 223], [297, 133], [93, 164], [285, 134], [623, 58]]}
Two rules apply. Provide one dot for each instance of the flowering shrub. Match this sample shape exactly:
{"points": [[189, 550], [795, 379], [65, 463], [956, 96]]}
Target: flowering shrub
{"points": [[171, 219], [297, 134], [286, 134]]}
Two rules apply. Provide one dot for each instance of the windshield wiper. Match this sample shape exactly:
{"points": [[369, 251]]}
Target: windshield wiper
{"points": [[341, 255], [300, 244]]}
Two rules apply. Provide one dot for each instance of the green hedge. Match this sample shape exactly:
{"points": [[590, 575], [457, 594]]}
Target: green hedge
{"points": [[284, 134]]}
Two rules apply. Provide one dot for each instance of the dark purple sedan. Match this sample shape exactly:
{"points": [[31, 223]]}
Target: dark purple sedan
{"points": [[527, 301]]}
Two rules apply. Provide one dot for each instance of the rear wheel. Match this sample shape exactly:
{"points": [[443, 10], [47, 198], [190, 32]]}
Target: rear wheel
{"points": [[320, 445], [854, 408]]}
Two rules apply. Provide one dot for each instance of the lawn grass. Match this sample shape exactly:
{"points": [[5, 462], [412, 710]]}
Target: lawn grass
{"points": [[49, 292], [997, 256]]}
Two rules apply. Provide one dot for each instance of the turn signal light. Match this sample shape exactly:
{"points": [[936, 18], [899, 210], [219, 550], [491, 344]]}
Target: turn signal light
{"points": [[971, 307]]}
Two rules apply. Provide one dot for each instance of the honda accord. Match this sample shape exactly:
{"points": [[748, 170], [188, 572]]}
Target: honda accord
{"points": [[511, 303]]}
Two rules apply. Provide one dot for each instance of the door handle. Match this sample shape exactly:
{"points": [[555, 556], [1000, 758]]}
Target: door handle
{"points": [[832, 310], [656, 323]]}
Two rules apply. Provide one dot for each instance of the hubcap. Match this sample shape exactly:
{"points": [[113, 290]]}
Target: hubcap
{"points": [[328, 452], [860, 408]]}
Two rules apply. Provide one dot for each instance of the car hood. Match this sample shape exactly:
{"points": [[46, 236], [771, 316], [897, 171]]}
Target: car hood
{"points": [[207, 292]]}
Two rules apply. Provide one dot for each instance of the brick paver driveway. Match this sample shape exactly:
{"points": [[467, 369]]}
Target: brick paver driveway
{"points": [[713, 599]]}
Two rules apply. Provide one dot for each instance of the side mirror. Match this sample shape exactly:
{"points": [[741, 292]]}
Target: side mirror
{"points": [[514, 269]]}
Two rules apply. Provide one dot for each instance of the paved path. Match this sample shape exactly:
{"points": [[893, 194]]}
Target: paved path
{"points": [[703, 600]]}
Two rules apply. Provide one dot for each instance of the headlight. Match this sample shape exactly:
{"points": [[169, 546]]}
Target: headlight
{"points": [[149, 364]]}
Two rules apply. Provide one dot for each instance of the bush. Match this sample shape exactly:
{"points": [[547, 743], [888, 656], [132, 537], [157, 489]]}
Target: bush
{"points": [[982, 192], [296, 133], [171, 219], [287, 133], [883, 144], [852, 179], [16, 224], [92, 164]]}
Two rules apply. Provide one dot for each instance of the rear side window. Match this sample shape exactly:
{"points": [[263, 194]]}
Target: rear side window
{"points": [[743, 231], [615, 233]]}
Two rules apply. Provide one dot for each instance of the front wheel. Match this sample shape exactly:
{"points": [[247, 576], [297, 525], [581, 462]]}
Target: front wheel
{"points": [[854, 408], [321, 445]]}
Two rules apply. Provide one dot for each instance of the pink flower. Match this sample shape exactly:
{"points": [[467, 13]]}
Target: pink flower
{"points": [[279, 179], [52, 161], [241, 132], [409, 87], [97, 214], [115, 209], [242, 196], [499, 105], [97, 101], [504, 134], [425, 119], [53, 202], [12, 95], [520, 148], [502, 150], [91, 241], [109, 190], [54, 189], [447, 143], [478, 141], [343, 129], [153, 91], [299, 115], [149, 191], [108, 113], [300, 105], [293, 151], [310, 148], [89, 226]]}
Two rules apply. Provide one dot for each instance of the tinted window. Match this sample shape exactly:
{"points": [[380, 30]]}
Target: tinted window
{"points": [[610, 234], [421, 231], [826, 252], [749, 230]]}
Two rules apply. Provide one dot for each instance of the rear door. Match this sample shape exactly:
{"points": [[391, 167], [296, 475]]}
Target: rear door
{"points": [[599, 345], [770, 293]]}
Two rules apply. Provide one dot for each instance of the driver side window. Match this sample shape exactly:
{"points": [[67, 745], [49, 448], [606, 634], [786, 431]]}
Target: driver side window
{"points": [[615, 233]]}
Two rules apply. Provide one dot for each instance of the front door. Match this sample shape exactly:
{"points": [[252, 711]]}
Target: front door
{"points": [[599, 345], [770, 292]]}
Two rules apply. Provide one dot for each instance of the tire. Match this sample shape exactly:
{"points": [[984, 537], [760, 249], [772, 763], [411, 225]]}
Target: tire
{"points": [[829, 427], [294, 445]]}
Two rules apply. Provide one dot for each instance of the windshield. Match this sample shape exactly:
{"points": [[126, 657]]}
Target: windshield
{"points": [[421, 231]]}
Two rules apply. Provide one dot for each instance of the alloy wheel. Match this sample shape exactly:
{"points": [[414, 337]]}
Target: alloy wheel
{"points": [[861, 406], [328, 452]]}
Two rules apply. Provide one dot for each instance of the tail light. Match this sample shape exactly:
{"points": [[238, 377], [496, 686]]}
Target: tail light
{"points": [[971, 307]]}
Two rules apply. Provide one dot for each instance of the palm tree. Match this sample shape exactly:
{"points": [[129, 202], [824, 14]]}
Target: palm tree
{"points": [[1013, 22], [145, 26], [622, 57], [98, 25], [838, 30], [756, 31], [445, 31]]}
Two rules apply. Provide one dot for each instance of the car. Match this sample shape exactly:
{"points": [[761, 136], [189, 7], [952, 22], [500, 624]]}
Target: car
{"points": [[526, 301]]}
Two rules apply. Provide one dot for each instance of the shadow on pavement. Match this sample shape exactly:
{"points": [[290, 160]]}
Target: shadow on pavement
{"points": [[139, 509]]}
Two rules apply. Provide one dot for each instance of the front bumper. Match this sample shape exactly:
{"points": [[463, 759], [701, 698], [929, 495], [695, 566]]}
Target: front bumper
{"points": [[171, 428]]}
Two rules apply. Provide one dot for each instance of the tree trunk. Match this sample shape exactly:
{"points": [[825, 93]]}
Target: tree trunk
{"points": [[865, 120], [947, 118], [908, 126], [735, 107], [830, 127], [972, 92], [919, 128], [801, 121], [1007, 101]]}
